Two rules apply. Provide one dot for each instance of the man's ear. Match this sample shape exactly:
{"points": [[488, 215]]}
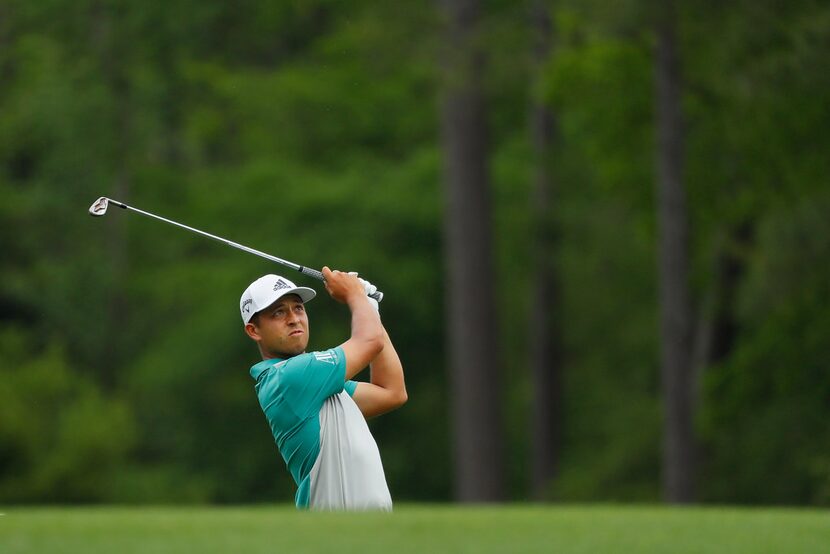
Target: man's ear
{"points": [[252, 331]]}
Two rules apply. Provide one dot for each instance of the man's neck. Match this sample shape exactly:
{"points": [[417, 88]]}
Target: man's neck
{"points": [[277, 355]]}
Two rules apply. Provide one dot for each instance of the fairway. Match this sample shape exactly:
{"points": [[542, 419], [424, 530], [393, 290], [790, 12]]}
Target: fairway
{"points": [[412, 529]]}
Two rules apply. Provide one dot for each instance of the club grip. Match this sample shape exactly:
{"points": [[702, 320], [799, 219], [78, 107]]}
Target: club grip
{"points": [[312, 273], [377, 295]]}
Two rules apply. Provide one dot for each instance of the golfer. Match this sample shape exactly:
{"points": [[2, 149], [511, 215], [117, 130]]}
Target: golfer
{"points": [[316, 412]]}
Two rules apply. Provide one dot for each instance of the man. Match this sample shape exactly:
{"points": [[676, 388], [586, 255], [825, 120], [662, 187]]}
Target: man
{"points": [[316, 412]]}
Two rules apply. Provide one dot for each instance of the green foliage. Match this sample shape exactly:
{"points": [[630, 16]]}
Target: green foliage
{"points": [[61, 438], [767, 406], [601, 90]]}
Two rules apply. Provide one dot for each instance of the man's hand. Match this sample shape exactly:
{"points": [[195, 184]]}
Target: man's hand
{"points": [[343, 287], [370, 289], [366, 341]]}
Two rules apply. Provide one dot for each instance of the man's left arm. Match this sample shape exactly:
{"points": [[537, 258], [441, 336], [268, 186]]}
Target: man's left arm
{"points": [[386, 389]]}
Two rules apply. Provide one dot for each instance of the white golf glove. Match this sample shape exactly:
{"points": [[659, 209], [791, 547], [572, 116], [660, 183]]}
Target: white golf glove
{"points": [[369, 288]]}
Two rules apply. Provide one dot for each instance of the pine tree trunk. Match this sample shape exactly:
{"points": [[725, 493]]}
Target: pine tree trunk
{"points": [[544, 359], [110, 46], [729, 272], [473, 353], [679, 453], [717, 329]]}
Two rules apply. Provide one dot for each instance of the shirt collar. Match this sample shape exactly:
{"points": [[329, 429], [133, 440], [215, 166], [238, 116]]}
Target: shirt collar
{"points": [[258, 369]]}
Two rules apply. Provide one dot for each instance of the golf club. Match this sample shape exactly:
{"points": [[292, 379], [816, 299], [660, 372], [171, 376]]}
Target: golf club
{"points": [[99, 208]]}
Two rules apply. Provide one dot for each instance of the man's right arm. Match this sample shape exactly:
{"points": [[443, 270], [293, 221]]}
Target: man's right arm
{"points": [[367, 338], [386, 390]]}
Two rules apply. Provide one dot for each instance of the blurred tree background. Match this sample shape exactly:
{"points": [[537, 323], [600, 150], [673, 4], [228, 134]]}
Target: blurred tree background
{"points": [[313, 130]]}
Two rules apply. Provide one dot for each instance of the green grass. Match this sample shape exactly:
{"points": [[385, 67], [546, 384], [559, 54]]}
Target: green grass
{"points": [[413, 529]]}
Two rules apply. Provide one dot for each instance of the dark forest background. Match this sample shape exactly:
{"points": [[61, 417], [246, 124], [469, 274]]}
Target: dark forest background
{"points": [[601, 230]]}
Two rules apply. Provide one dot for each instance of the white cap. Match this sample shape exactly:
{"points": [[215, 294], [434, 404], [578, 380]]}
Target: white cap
{"points": [[265, 291]]}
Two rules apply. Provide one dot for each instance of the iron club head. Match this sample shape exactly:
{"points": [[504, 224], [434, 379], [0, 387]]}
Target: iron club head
{"points": [[99, 207]]}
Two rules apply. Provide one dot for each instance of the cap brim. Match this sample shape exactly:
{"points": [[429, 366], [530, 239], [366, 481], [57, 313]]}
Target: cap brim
{"points": [[304, 293]]}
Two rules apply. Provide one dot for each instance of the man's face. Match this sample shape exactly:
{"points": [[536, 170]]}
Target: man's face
{"points": [[281, 329]]}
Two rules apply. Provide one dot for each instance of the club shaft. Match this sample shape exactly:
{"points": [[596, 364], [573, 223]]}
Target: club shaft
{"points": [[305, 270]]}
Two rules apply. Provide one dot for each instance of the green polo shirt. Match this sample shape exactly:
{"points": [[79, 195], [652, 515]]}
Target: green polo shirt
{"points": [[291, 392]]}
